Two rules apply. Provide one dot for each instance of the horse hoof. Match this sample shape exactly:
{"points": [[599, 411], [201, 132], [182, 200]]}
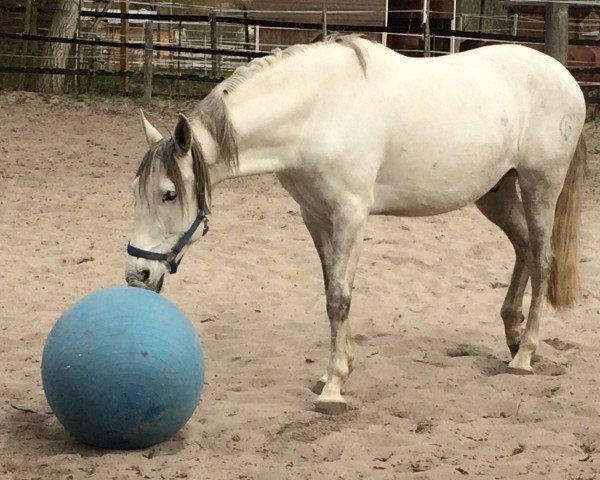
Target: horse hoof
{"points": [[317, 387], [513, 350], [330, 408], [519, 371]]}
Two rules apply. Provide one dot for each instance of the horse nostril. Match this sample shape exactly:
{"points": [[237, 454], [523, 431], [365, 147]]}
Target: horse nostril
{"points": [[144, 275]]}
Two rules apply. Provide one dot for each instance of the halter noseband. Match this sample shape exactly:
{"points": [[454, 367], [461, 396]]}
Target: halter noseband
{"points": [[171, 257]]}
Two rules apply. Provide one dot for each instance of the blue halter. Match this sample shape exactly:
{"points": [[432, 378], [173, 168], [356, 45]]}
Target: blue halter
{"points": [[170, 258]]}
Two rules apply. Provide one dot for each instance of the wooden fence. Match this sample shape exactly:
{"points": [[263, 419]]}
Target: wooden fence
{"points": [[86, 71]]}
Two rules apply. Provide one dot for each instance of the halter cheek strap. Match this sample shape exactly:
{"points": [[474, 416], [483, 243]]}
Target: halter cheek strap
{"points": [[171, 258]]}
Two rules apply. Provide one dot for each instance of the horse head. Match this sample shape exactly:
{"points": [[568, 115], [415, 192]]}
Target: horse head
{"points": [[171, 194]]}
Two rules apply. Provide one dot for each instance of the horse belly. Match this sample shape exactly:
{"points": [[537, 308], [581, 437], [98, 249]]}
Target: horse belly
{"points": [[424, 187], [392, 200]]}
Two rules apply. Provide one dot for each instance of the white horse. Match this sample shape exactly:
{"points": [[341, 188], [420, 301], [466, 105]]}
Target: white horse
{"points": [[354, 129]]}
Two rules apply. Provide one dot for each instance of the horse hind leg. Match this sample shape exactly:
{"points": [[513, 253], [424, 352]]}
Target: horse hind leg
{"points": [[503, 207], [546, 194], [539, 193]]}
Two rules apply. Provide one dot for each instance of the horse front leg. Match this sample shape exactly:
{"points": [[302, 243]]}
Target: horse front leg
{"points": [[346, 240], [320, 233]]}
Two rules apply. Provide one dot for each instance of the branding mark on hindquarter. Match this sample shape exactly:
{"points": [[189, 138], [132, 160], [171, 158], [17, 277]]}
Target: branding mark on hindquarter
{"points": [[566, 126]]}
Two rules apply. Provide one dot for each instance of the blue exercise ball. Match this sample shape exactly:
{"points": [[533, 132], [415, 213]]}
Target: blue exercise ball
{"points": [[122, 368]]}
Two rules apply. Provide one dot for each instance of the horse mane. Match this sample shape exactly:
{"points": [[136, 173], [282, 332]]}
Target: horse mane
{"points": [[242, 73], [214, 115]]}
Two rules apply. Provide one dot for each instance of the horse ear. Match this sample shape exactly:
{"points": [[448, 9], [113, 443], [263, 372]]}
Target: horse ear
{"points": [[152, 134], [183, 135]]}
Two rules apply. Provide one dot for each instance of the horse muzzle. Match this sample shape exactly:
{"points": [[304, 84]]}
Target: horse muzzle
{"points": [[147, 268], [143, 278]]}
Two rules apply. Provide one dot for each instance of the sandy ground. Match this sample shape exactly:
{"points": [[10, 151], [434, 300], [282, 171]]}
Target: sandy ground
{"points": [[429, 398]]}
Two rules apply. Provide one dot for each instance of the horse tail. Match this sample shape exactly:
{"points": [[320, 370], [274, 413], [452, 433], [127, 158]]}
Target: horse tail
{"points": [[563, 286]]}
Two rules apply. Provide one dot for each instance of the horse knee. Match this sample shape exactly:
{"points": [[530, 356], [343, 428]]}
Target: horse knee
{"points": [[511, 315], [338, 305]]}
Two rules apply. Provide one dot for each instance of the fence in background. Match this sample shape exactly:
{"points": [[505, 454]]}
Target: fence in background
{"points": [[178, 51]]}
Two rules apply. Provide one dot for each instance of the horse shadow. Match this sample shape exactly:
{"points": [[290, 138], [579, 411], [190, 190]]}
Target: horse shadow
{"points": [[491, 364]]}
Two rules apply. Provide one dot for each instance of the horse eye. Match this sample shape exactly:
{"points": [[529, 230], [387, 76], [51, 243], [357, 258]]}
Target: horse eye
{"points": [[169, 196]]}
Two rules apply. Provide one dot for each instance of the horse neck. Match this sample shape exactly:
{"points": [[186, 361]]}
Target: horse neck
{"points": [[268, 111]]}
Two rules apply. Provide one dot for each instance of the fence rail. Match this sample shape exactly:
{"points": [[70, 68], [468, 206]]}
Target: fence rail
{"points": [[133, 45]]}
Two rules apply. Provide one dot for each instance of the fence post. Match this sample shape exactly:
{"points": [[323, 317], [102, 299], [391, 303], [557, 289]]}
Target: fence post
{"points": [[34, 20], [124, 39], [178, 56], [78, 50], [324, 19], [246, 30], [26, 30], [426, 33], [214, 44], [515, 24], [27, 20], [148, 38], [456, 8], [482, 10], [557, 30], [458, 23]]}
